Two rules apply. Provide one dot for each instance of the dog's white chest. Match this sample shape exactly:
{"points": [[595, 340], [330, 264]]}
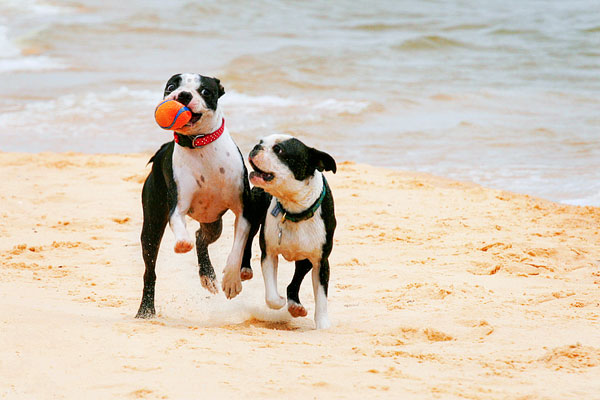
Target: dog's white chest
{"points": [[210, 178], [295, 240]]}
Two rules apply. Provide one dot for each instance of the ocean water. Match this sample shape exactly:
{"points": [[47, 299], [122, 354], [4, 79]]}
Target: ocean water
{"points": [[504, 93]]}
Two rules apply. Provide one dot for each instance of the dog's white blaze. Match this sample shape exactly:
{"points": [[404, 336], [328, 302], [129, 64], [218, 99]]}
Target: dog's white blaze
{"points": [[191, 78]]}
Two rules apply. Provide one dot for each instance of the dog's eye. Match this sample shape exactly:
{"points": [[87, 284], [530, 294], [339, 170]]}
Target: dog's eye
{"points": [[170, 88], [204, 92], [277, 149]]}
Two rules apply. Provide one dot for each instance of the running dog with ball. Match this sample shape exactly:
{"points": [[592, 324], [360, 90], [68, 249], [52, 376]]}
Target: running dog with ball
{"points": [[200, 174]]}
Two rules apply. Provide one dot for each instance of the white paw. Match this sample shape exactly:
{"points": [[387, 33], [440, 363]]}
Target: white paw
{"points": [[209, 284], [232, 283], [323, 323], [275, 302]]}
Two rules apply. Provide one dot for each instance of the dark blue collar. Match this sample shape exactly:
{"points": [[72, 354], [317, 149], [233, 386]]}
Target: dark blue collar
{"points": [[304, 215]]}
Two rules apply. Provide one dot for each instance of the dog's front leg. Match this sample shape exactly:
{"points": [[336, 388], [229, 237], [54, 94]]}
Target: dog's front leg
{"points": [[232, 281], [269, 271], [320, 279], [183, 243]]}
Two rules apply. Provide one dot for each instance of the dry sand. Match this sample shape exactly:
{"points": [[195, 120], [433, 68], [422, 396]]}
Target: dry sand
{"points": [[438, 289]]}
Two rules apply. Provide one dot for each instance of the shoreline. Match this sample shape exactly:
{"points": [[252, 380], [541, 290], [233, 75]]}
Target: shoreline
{"points": [[439, 289], [570, 201]]}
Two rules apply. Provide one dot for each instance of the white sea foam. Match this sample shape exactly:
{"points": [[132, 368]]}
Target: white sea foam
{"points": [[245, 102], [92, 116], [593, 200], [32, 7], [89, 103], [342, 106], [237, 99], [7, 48], [87, 121], [12, 58], [29, 63], [116, 99]]}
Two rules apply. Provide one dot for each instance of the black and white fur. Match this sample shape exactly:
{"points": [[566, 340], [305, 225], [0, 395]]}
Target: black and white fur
{"points": [[290, 172], [202, 183]]}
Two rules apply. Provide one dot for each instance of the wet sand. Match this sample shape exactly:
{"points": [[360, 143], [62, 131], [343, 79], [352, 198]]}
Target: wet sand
{"points": [[439, 289]]}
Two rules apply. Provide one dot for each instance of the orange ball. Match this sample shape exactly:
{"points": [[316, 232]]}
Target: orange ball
{"points": [[171, 114]]}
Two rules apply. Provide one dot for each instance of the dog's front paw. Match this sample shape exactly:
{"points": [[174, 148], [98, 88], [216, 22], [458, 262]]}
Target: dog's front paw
{"points": [[246, 274], [183, 246], [146, 312], [296, 309], [232, 283], [209, 284], [322, 323], [275, 302]]}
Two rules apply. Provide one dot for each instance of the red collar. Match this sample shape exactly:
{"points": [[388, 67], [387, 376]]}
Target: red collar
{"points": [[193, 142]]}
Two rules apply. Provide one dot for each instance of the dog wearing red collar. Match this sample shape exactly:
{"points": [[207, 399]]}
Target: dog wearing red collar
{"points": [[200, 174], [297, 216]]}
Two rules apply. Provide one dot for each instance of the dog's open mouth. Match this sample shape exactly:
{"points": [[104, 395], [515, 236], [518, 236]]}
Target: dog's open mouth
{"points": [[195, 118], [258, 173]]}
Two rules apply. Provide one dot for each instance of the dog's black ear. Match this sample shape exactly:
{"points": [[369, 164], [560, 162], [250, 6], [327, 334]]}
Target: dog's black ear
{"points": [[322, 161], [221, 88]]}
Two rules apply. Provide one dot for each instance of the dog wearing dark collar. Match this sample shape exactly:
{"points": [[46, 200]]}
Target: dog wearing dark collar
{"points": [[200, 174], [298, 219]]}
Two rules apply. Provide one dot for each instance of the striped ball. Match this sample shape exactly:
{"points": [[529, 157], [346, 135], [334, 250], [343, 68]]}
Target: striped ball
{"points": [[171, 114]]}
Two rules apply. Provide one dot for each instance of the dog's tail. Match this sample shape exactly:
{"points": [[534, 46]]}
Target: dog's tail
{"points": [[159, 185], [159, 154], [162, 168]]}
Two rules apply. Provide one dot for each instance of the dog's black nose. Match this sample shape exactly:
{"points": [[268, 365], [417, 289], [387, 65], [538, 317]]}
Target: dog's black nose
{"points": [[255, 150], [184, 98]]}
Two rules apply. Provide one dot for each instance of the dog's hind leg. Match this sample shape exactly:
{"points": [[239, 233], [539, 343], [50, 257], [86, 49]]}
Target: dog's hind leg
{"points": [[295, 308], [320, 278], [207, 234], [256, 202], [246, 269], [156, 213]]}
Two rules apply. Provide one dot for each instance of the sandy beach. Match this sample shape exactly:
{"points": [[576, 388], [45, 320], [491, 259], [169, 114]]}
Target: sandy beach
{"points": [[439, 289]]}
